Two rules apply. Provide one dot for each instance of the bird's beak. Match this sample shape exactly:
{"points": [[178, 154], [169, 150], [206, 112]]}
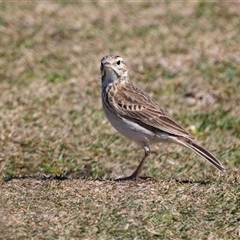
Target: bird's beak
{"points": [[107, 65]]}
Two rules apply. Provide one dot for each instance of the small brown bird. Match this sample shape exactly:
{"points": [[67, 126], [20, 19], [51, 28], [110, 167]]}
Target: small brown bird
{"points": [[138, 117]]}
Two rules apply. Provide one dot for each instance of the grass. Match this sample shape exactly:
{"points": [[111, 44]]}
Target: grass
{"points": [[58, 152]]}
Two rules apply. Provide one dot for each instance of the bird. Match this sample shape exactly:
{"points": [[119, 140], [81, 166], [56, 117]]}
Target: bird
{"points": [[138, 117]]}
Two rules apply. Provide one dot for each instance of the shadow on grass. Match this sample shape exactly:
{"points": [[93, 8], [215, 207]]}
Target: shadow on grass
{"points": [[186, 181], [87, 173], [59, 177], [71, 176], [42, 177]]}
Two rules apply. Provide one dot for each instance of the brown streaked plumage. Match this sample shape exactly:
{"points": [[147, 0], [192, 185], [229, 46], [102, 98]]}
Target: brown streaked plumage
{"points": [[138, 117]]}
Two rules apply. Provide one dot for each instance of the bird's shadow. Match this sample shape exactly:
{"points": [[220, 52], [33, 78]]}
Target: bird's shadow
{"points": [[40, 177], [68, 177], [187, 181], [56, 177]]}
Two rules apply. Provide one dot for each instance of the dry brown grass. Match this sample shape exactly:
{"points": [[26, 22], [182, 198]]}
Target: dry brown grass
{"points": [[55, 139]]}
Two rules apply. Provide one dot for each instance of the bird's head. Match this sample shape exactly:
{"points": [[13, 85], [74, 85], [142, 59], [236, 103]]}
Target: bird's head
{"points": [[113, 69]]}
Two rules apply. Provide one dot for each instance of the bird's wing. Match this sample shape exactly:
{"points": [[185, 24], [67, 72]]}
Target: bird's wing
{"points": [[136, 105]]}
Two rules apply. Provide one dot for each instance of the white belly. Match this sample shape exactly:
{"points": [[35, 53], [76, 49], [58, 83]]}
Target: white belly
{"points": [[131, 130]]}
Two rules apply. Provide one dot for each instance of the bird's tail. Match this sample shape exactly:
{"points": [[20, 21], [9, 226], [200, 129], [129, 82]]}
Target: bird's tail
{"points": [[201, 152]]}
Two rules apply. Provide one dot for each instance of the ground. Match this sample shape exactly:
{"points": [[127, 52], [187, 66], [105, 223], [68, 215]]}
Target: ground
{"points": [[59, 154]]}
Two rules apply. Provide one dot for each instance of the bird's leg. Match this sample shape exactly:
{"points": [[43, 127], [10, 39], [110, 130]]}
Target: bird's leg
{"points": [[136, 174]]}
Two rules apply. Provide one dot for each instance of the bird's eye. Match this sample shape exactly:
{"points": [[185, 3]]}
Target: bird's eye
{"points": [[118, 62]]}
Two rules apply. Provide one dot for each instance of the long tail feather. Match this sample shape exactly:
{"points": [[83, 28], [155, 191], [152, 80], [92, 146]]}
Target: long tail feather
{"points": [[201, 152]]}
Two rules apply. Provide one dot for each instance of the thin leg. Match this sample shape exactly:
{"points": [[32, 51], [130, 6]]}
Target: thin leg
{"points": [[136, 174]]}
